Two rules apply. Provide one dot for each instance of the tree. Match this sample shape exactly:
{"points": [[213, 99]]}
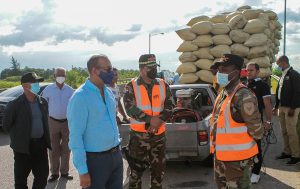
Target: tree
{"points": [[15, 67]]}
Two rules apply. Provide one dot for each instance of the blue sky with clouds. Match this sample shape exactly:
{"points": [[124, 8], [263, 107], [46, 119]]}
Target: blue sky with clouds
{"points": [[51, 33]]}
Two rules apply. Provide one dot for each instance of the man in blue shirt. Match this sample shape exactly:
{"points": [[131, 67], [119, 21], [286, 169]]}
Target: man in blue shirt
{"points": [[94, 135]]}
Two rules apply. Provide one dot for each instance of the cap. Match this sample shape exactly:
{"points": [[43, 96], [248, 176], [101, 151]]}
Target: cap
{"points": [[147, 60], [229, 59], [31, 77]]}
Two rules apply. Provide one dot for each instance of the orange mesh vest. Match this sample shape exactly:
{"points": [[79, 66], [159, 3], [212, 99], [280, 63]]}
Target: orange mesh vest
{"points": [[143, 102], [232, 143]]}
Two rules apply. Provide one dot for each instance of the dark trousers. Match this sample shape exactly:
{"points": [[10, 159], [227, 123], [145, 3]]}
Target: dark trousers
{"points": [[106, 170], [257, 165], [36, 161]]}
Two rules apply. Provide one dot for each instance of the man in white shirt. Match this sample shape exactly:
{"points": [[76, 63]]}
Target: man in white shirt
{"points": [[58, 95]]}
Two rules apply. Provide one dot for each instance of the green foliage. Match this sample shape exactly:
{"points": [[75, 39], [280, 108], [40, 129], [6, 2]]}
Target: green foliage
{"points": [[125, 74], [8, 84], [276, 72], [13, 79], [76, 77]]}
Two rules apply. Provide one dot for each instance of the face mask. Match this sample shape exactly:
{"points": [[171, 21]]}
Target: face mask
{"points": [[60, 80], [106, 77], [222, 78], [35, 88], [279, 69], [152, 73]]}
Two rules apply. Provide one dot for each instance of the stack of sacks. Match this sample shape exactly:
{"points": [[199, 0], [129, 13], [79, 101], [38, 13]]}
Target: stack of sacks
{"points": [[253, 34]]}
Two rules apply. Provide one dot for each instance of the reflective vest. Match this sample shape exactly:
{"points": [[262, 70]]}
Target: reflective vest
{"points": [[232, 142], [152, 108]]}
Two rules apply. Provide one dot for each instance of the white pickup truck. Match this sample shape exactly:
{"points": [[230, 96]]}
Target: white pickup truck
{"points": [[187, 138]]}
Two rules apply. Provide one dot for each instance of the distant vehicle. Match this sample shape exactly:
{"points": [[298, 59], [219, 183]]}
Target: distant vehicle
{"points": [[12, 93], [167, 76]]}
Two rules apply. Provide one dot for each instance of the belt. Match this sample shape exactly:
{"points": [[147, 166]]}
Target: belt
{"points": [[112, 150], [59, 120]]}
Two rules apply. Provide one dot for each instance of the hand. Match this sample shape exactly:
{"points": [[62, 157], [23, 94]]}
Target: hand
{"points": [[275, 111], [267, 127], [126, 120], [291, 112], [85, 180], [152, 129], [155, 121]]}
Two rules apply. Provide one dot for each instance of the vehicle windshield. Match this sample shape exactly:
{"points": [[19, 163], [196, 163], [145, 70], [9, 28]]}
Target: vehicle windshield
{"points": [[12, 92]]}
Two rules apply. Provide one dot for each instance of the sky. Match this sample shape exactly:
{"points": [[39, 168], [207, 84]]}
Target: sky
{"points": [[65, 33]]}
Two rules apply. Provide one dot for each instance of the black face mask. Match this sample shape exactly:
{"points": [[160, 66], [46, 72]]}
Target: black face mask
{"points": [[152, 73]]}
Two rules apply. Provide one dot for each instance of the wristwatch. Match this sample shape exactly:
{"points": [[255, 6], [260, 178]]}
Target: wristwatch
{"points": [[269, 122]]}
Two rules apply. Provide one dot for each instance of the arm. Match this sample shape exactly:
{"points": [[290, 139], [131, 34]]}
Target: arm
{"points": [[77, 114], [266, 95], [121, 109], [131, 107], [168, 105], [9, 116], [295, 79]]}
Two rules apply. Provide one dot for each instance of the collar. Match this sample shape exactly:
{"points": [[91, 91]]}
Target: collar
{"points": [[286, 70], [140, 81], [230, 89], [64, 86]]}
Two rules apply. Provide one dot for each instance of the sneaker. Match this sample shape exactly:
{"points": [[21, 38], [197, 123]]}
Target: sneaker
{"points": [[293, 161], [283, 156], [254, 178], [53, 178]]}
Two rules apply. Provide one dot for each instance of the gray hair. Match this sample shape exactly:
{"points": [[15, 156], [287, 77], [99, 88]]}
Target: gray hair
{"points": [[59, 69], [92, 62]]}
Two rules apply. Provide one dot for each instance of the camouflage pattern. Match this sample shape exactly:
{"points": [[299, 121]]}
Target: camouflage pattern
{"points": [[233, 174], [136, 113], [146, 150], [244, 108]]}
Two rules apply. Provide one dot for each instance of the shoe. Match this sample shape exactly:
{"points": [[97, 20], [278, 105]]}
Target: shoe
{"points": [[67, 176], [293, 161], [283, 156], [53, 178], [254, 178]]}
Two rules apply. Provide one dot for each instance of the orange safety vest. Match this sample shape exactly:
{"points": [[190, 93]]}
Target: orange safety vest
{"points": [[232, 142], [143, 102]]}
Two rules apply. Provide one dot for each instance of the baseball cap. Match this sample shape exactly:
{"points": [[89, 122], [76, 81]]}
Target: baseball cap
{"points": [[148, 60], [229, 59], [31, 77]]}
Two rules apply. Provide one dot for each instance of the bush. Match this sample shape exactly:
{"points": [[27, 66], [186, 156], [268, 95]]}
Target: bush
{"points": [[8, 84], [13, 79]]}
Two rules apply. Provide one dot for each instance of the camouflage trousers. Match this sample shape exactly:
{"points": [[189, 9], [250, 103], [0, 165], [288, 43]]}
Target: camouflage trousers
{"points": [[233, 174], [145, 151]]}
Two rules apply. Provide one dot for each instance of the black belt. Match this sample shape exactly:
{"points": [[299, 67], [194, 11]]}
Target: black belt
{"points": [[59, 120], [112, 150]]}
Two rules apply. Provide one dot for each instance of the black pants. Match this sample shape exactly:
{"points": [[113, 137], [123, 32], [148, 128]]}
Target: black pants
{"points": [[36, 161], [257, 166]]}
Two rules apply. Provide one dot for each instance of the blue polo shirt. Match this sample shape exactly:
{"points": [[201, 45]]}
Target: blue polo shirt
{"points": [[92, 123]]}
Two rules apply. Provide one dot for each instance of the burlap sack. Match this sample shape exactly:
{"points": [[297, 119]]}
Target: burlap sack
{"points": [[239, 49], [219, 50], [237, 22], [218, 18], [254, 26], [276, 42], [277, 34], [231, 15], [201, 28], [267, 32], [197, 19], [272, 15], [186, 34], [251, 13], [258, 51], [243, 8], [188, 78], [203, 53], [272, 25], [204, 64], [264, 18], [220, 28], [278, 25], [263, 62], [264, 72], [205, 76], [221, 40], [203, 41], [187, 57], [258, 39], [239, 36], [186, 68], [187, 46]]}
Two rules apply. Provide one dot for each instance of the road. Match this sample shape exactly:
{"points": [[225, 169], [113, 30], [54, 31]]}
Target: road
{"points": [[179, 175]]}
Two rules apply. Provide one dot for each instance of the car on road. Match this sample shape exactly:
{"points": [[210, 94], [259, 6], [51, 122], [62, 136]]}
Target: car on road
{"points": [[10, 94]]}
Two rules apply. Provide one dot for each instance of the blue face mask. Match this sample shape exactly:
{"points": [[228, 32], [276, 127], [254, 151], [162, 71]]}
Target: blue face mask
{"points": [[222, 79], [278, 68], [35, 88], [106, 77]]}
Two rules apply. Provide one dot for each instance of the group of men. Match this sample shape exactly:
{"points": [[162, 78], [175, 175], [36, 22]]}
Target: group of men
{"points": [[85, 122]]}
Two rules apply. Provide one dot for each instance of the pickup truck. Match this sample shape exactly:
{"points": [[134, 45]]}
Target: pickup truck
{"points": [[186, 140]]}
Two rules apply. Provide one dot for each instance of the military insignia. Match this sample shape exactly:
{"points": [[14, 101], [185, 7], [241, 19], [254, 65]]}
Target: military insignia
{"points": [[249, 108]]}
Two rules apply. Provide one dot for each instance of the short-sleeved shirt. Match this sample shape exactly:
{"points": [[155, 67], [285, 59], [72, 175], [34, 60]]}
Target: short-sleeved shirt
{"points": [[58, 99], [261, 90]]}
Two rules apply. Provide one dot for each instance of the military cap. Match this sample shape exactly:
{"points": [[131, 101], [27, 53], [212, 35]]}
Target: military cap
{"points": [[147, 60], [31, 77], [227, 60]]}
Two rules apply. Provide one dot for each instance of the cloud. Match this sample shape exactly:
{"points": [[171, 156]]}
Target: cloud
{"points": [[135, 28]]}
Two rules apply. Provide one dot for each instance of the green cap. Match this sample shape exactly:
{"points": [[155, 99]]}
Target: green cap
{"points": [[147, 60]]}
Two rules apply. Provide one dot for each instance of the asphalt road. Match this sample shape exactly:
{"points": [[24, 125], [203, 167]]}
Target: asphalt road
{"points": [[179, 175]]}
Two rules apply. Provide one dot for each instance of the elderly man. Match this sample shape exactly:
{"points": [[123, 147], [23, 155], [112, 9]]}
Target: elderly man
{"points": [[94, 134], [58, 95], [26, 120]]}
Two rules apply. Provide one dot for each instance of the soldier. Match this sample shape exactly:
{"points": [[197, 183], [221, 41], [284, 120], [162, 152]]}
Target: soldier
{"points": [[148, 102], [236, 126]]}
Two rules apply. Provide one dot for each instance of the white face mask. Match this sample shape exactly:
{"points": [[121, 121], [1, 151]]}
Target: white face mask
{"points": [[60, 80]]}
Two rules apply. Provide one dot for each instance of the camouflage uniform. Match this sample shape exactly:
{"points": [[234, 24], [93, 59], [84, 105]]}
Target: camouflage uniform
{"points": [[236, 174], [146, 149]]}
